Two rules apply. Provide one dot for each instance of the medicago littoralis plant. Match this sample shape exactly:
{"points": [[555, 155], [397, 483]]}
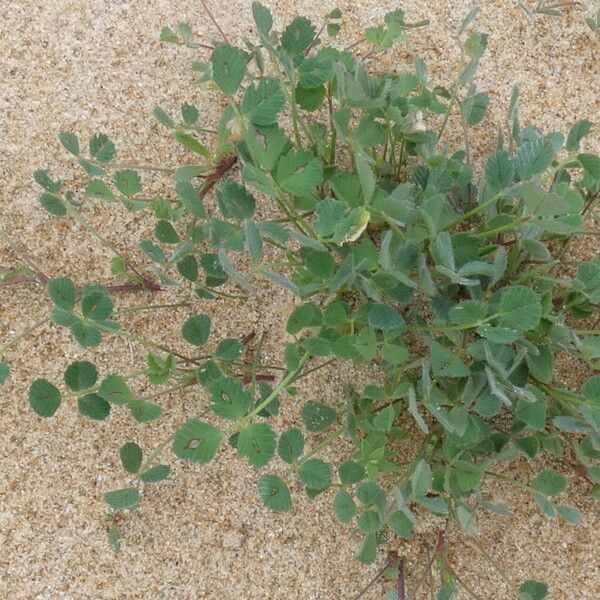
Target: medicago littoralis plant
{"points": [[452, 285]]}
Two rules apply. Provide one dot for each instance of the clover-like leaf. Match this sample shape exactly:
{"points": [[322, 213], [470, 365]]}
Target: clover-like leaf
{"points": [[93, 406], [549, 482], [235, 201], [101, 148], [344, 506]]}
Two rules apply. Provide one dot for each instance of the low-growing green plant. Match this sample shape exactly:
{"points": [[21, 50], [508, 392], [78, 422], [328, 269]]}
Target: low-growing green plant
{"points": [[452, 284]]}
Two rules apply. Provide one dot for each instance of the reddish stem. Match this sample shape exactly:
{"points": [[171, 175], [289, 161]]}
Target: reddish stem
{"points": [[401, 584]]}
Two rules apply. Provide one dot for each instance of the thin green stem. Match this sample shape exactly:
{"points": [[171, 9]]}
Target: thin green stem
{"points": [[23, 334], [332, 436], [142, 307], [283, 384], [147, 343], [153, 455], [173, 388]]}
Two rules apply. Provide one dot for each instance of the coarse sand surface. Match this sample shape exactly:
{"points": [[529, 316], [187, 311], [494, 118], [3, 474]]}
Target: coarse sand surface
{"points": [[97, 66]]}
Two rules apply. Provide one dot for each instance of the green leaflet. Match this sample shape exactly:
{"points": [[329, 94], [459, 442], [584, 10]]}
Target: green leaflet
{"points": [[519, 308], [123, 499], [317, 416], [299, 172], [257, 443], [196, 329], [444, 363], [274, 493], [131, 457], [197, 441], [264, 102], [228, 67], [44, 398]]}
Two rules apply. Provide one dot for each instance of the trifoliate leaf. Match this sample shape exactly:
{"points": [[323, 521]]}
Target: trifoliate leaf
{"points": [[569, 513], [96, 188], [96, 305], [577, 133], [401, 524], [53, 205], [382, 316], [69, 141], [262, 18], [86, 335], [351, 472], [189, 197], [235, 201], [305, 315], [532, 413], [499, 171], [591, 164], [189, 113], [549, 482], [94, 407], [299, 172], [144, 412], [421, 479], [4, 372], [533, 590], [128, 182], [191, 143], [42, 178], [541, 366], [230, 400], [298, 36], [474, 107], [229, 349], [101, 148]]}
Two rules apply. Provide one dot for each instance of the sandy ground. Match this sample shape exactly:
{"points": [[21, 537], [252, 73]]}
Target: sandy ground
{"points": [[96, 66]]}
